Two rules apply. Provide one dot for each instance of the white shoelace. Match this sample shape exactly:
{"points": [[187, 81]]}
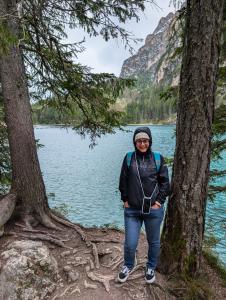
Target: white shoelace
{"points": [[150, 272], [125, 269]]}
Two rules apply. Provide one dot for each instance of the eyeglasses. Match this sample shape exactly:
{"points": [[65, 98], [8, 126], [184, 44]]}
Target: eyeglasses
{"points": [[144, 141]]}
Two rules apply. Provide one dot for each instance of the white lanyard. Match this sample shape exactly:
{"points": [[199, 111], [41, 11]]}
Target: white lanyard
{"points": [[144, 196]]}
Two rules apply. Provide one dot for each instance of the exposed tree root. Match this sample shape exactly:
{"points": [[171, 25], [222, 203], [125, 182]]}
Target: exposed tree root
{"points": [[29, 221], [91, 264], [89, 285], [152, 293], [77, 289], [105, 280], [43, 218], [114, 261], [95, 254], [132, 296], [75, 227], [82, 262], [73, 276], [100, 240], [65, 253], [45, 238], [103, 251], [41, 232], [47, 234], [64, 292], [132, 285], [83, 236], [166, 291], [47, 222], [117, 248], [117, 264], [139, 266], [139, 275], [1, 230]]}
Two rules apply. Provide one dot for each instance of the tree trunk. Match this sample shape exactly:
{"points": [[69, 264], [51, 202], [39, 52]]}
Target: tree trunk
{"points": [[183, 230], [27, 181]]}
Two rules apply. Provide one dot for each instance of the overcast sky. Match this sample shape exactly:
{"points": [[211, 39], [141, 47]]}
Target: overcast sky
{"points": [[108, 56]]}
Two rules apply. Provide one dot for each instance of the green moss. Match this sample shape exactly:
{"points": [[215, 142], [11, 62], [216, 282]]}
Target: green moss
{"points": [[176, 244], [197, 288], [61, 210], [190, 264], [190, 288], [216, 264], [111, 226], [178, 248]]}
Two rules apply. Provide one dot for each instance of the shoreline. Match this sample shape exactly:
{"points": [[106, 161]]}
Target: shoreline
{"points": [[150, 124], [130, 124]]}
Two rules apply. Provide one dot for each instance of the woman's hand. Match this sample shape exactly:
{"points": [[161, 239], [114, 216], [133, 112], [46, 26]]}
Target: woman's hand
{"points": [[126, 204], [157, 205]]}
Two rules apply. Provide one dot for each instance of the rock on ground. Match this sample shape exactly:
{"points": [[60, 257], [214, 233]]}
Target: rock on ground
{"points": [[28, 271]]}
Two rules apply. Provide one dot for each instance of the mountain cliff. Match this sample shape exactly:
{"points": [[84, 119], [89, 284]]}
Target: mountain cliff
{"points": [[156, 60]]}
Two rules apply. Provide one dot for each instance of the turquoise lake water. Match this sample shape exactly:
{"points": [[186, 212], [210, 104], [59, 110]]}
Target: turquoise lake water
{"points": [[85, 181]]}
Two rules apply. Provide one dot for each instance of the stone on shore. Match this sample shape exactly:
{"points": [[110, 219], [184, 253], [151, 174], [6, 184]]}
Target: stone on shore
{"points": [[28, 271]]}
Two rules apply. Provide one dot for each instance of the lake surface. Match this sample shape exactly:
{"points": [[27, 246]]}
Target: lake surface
{"points": [[84, 181]]}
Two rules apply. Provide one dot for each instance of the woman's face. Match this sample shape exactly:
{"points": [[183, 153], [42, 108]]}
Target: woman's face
{"points": [[142, 145]]}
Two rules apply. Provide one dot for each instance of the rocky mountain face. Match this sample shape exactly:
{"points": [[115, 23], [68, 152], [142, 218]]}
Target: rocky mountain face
{"points": [[156, 60]]}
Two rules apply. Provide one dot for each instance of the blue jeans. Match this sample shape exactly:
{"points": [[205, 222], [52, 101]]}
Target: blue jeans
{"points": [[133, 222]]}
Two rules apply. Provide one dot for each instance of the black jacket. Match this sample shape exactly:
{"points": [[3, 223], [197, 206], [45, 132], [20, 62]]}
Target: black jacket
{"points": [[152, 180]]}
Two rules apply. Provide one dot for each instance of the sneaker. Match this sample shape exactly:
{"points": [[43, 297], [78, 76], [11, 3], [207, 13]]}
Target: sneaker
{"points": [[123, 274], [149, 275]]}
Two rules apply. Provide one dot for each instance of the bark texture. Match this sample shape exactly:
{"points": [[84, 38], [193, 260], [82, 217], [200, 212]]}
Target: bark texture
{"points": [[185, 218], [27, 181], [7, 205]]}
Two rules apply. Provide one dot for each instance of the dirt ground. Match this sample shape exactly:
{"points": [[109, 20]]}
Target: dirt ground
{"points": [[89, 266]]}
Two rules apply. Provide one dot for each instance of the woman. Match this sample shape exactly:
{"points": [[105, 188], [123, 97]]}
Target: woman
{"points": [[144, 186]]}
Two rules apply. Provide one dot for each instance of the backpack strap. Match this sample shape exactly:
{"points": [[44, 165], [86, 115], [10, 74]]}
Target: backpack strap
{"points": [[128, 158], [157, 158]]}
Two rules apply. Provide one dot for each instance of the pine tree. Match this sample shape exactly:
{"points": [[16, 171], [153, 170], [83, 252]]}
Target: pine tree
{"points": [[183, 230], [33, 54]]}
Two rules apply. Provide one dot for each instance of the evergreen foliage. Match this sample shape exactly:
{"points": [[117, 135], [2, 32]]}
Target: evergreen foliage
{"points": [[57, 81], [144, 102], [146, 105], [53, 72]]}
